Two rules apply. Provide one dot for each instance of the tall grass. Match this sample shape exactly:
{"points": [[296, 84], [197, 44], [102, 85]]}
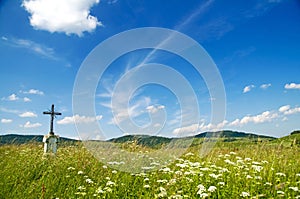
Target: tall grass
{"points": [[229, 171]]}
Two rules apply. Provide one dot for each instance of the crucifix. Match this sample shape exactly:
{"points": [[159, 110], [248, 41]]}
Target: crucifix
{"points": [[52, 113]]}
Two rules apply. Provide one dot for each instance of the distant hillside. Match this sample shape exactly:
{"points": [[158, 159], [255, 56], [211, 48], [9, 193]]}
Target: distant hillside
{"points": [[232, 134], [144, 140], [156, 141], [22, 139]]}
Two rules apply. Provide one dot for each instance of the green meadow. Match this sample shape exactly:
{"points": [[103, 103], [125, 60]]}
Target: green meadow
{"points": [[239, 169]]}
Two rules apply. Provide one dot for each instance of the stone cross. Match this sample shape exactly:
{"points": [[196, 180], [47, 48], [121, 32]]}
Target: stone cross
{"points": [[51, 140]]}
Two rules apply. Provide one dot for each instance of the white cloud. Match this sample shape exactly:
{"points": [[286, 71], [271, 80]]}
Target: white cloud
{"points": [[31, 125], [79, 119], [26, 99], [284, 108], [154, 109], [5, 121], [33, 47], [4, 38], [33, 91], [266, 116], [198, 128], [287, 110], [12, 97], [265, 86], [28, 114], [67, 16], [292, 86], [248, 88], [292, 111]]}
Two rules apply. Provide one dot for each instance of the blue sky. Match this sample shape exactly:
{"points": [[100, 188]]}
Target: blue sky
{"points": [[254, 44]]}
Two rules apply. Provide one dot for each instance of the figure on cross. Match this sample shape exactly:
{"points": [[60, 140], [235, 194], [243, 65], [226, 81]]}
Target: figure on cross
{"points": [[50, 140]]}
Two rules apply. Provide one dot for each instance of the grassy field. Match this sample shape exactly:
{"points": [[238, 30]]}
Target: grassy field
{"points": [[230, 170]]}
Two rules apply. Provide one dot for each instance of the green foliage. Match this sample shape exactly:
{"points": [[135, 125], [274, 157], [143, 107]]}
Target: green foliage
{"points": [[230, 170]]}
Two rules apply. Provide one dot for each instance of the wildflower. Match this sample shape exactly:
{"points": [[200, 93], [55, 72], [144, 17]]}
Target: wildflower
{"points": [[147, 168], [189, 154], [146, 179], [221, 183], [110, 183], [298, 175], [257, 163], [212, 189], [245, 194], [215, 176], [146, 186], [280, 192], [203, 195], [163, 192], [257, 168], [80, 172], [172, 181], [249, 177], [258, 177], [280, 174], [162, 181], [181, 165], [71, 168], [177, 197], [104, 167], [89, 181], [114, 172], [166, 170], [81, 188], [268, 184], [154, 163], [229, 162], [232, 153], [178, 173], [248, 159], [204, 169], [99, 190], [294, 188]]}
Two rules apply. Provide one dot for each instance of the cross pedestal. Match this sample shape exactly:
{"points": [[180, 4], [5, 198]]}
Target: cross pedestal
{"points": [[50, 140]]}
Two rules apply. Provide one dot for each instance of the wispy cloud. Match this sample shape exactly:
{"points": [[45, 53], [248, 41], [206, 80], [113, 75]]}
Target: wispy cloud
{"points": [[5, 121], [248, 88], [9, 110], [32, 46], [12, 97], [28, 124], [79, 119], [292, 86], [33, 91], [28, 114], [265, 86]]}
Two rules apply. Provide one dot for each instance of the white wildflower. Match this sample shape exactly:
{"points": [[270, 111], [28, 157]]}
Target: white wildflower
{"points": [[212, 189], [280, 192], [89, 181], [110, 183], [71, 168], [221, 183], [294, 188], [80, 172], [146, 186], [245, 194], [280, 174]]}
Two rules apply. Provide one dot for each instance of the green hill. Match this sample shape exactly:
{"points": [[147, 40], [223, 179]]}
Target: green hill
{"points": [[23, 139]]}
